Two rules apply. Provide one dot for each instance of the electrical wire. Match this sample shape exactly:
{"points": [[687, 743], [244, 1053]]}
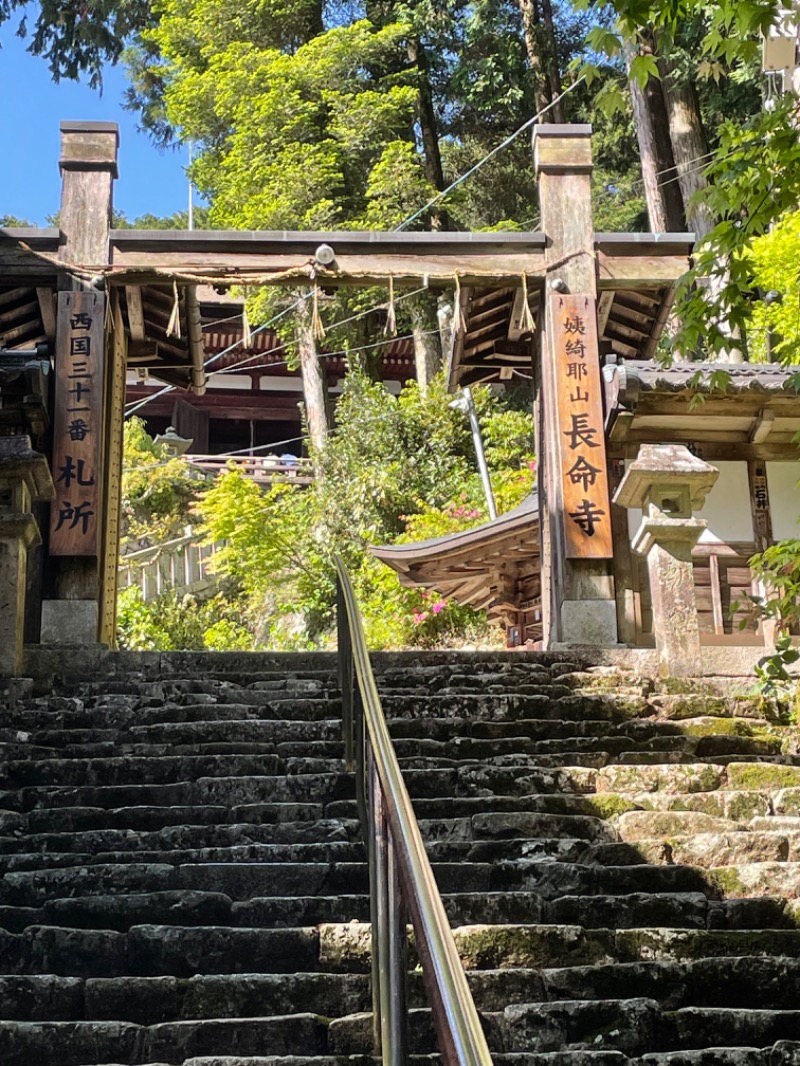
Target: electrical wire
{"points": [[343, 351], [137, 405], [334, 325], [490, 155]]}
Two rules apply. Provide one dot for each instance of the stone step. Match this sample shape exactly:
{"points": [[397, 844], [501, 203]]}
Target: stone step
{"points": [[150, 1000], [182, 837], [323, 787], [84, 1043], [688, 910], [184, 951], [331, 852], [548, 703], [756, 982], [636, 1025], [125, 712], [673, 910], [246, 880], [145, 770], [228, 791], [514, 825], [463, 729], [140, 819], [120, 912], [153, 950], [579, 1058], [541, 946], [704, 849]]}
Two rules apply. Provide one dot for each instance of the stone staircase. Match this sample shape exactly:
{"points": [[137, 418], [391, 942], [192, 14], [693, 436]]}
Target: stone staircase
{"points": [[183, 881]]}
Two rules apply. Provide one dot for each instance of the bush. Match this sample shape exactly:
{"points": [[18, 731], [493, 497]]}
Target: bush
{"points": [[395, 468], [173, 622]]}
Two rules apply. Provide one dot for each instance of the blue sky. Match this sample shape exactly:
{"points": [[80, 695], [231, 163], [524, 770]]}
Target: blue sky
{"points": [[150, 181]]}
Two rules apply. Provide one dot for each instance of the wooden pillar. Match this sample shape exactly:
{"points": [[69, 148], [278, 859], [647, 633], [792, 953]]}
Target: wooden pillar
{"points": [[582, 607], [76, 575]]}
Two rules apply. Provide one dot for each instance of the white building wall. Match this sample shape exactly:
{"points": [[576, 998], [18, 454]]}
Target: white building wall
{"points": [[727, 507], [784, 499]]}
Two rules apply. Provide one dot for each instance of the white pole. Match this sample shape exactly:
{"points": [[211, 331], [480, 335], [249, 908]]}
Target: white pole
{"points": [[191, 193]]}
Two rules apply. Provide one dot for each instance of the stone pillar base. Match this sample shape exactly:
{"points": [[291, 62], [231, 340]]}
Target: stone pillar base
{"points": [[589, 622], [69, 622], [667, 545]]}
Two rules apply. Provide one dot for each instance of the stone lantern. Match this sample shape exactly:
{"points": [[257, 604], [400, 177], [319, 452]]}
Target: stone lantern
{"points": [[668, 483], [174, 443], [24, 478]]}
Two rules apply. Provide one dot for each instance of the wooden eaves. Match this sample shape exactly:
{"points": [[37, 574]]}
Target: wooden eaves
{"points": [[749, 410], [487, 567]]}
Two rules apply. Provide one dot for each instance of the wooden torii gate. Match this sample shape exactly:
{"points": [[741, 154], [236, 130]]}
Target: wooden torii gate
{"points": [[104, 298]]}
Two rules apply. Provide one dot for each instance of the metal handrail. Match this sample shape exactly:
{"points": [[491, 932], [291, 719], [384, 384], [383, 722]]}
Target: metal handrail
{"points": [[400, 871]]}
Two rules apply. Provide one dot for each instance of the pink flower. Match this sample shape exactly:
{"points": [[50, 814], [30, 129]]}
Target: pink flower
{"points": [[439, 605], [420, 617]]}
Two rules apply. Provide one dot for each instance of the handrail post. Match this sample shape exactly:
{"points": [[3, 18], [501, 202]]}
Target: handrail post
{"points": [[395, 846], [346, 679], [398, 960], [389, 933], [373, 828]]}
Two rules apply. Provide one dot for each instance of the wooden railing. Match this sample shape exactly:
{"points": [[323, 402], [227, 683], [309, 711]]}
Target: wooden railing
{"points": [[401, 878], [264, 469], [180, 564]]}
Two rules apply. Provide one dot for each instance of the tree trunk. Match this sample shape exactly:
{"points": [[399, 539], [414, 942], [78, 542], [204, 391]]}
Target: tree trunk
{"points": [[690, 151], [689, 146], [530, 29], [423, 310], [315, 392], [662, 193], [431, 154], [548, 36]]}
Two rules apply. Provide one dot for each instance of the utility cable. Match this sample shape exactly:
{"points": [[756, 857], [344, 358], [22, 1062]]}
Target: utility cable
{"points": [[490, 155]]}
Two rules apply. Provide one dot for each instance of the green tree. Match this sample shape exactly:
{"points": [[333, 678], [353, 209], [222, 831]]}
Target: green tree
{"points": [[389, 459], [158, 489], [735, 164], [74, 38]]}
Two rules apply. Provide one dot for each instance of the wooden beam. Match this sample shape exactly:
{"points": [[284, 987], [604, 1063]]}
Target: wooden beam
{"points": [[196, 348], [133, 296], [716, 593], [763, 426], [47, 309], [603, 310], [639, 271]]}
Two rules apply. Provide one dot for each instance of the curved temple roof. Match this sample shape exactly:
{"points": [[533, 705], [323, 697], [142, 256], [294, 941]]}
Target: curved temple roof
{"points": [[484, 567]]}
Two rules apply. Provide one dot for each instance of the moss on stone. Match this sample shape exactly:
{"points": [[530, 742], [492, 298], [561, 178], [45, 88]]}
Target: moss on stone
{"points": [[727, 882], [610, 804], [760, 776]]}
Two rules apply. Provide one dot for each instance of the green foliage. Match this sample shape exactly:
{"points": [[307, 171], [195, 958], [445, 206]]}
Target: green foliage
{"points": [[754, 181], [158, 490], [173, 622], [12, 222], [774, 260], [179, 220], [779, 568], [77, 38], [775, 682], [396, 467], [730, 28]]}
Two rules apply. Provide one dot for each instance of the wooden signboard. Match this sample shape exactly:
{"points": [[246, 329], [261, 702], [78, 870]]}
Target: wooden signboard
{"points": [[78, 424], [582, 447]]}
